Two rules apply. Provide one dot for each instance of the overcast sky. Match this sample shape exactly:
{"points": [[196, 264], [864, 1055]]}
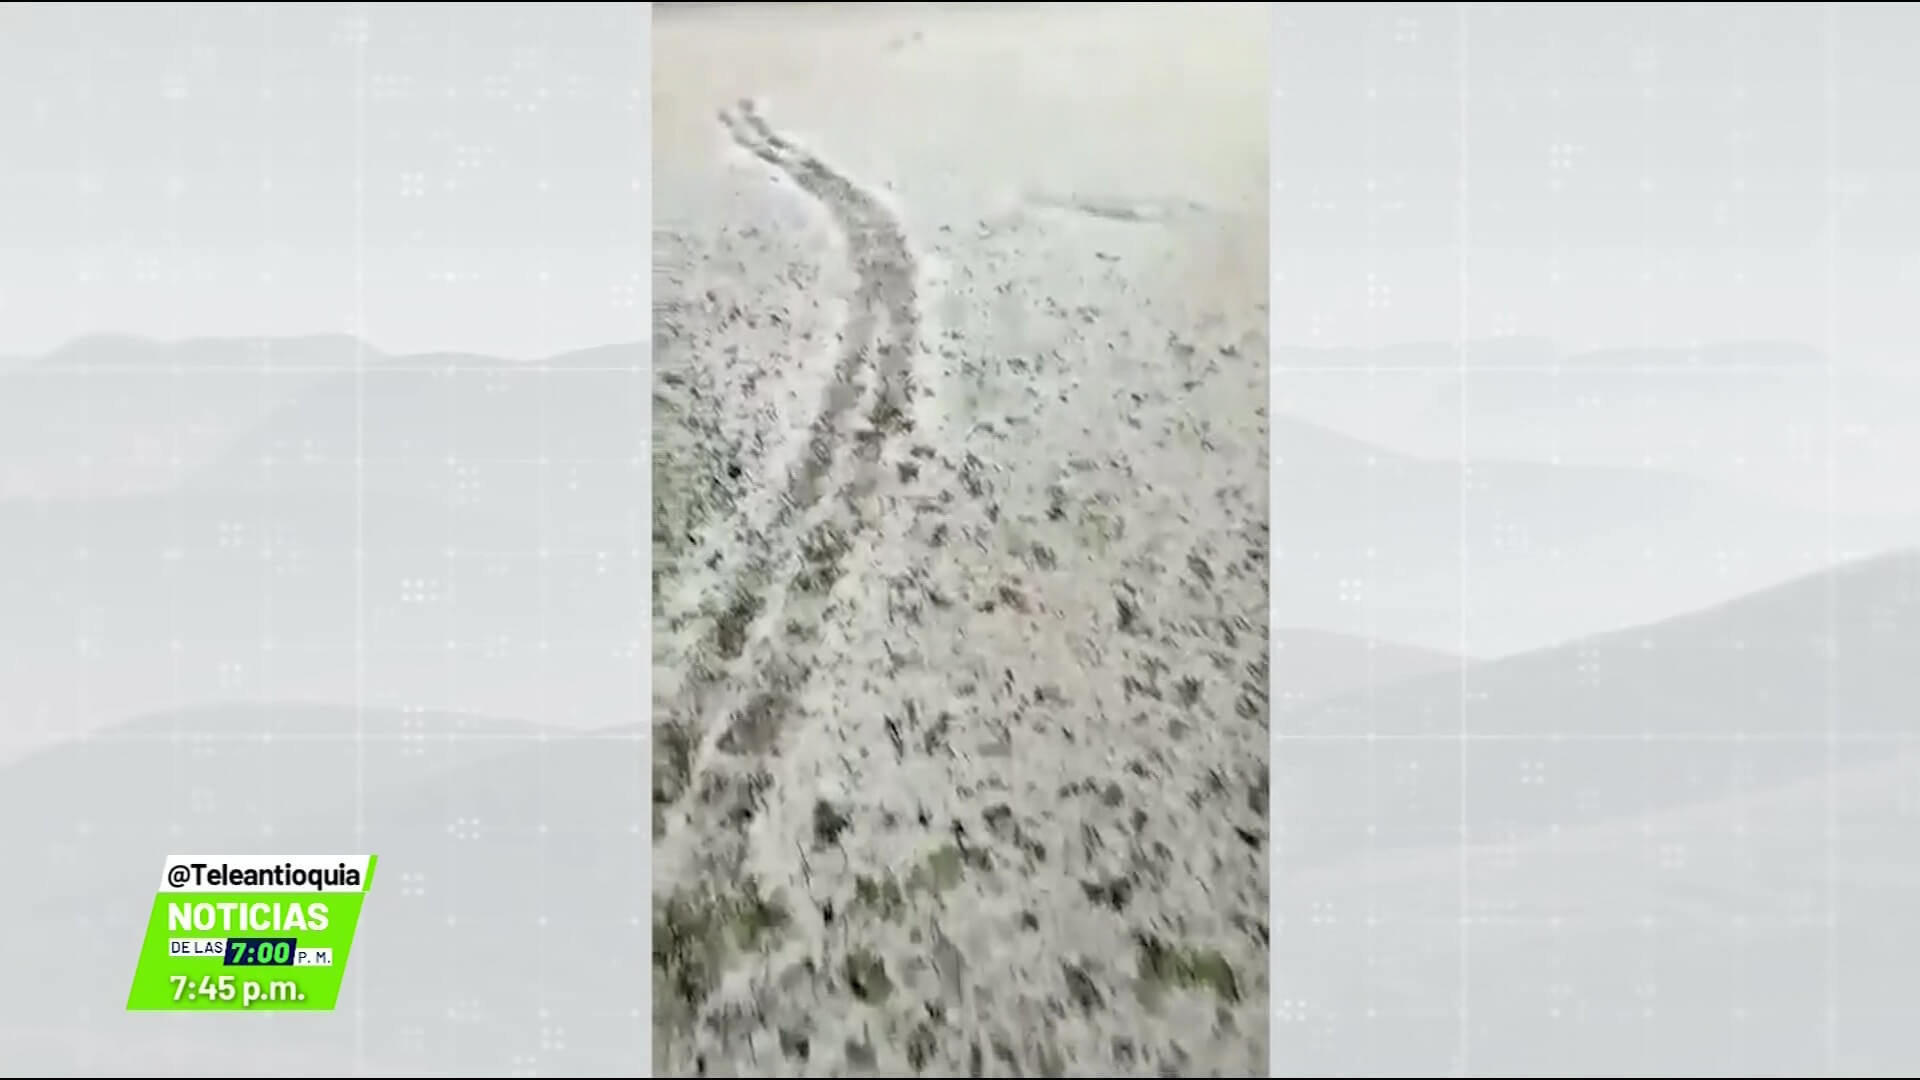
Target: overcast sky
{"points": [[1603, 174], [474, 178]]}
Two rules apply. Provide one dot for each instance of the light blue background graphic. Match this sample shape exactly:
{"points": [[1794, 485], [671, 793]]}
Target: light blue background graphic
{"points": [[1597, 609], [337, 541]]}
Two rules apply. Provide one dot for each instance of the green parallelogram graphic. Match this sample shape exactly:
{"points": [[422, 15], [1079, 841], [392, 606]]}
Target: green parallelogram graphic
{"points": [[249, 932]]}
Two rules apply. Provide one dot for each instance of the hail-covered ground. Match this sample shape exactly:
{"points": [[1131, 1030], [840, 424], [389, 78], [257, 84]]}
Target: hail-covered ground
{"points": [[960, 541]]}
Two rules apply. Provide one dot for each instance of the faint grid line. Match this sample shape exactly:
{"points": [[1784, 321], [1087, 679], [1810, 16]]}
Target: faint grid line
{"points": [[1808, 738], [1831, 214], [643, 1016], [542, 511], [1371, 330], [268, 105], [1464, 1034], [381, 366], [360, 30], [303, 460], [451, 888], [372, 737], [84, 670], [1741, 798], [1557, 65], [1649, 951], [1554, 924], [1276, 27], [585, 647], [175, 526], [1565, 371]]}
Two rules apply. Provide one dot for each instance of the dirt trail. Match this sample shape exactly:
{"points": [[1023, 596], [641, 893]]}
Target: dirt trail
{"points": [[738, 709], [960, 738], [885, 322]]}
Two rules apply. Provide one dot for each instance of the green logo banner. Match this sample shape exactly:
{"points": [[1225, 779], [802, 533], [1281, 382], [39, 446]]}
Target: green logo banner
{"points": [[250, 932]]}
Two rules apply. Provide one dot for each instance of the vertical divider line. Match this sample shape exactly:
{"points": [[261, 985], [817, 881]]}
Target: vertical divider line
{"points": [[643, 551], [1278, 24], [1463, 1035], [358, 30], [1830, 207]]}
